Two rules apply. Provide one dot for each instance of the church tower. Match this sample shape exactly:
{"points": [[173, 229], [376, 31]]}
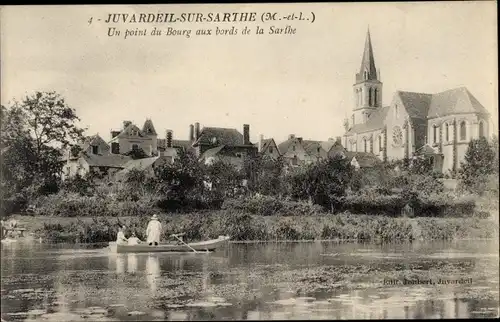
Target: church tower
{"points": [[368, 87]]}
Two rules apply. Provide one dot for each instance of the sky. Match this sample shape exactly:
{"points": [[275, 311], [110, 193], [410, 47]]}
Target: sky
{"points": [[278, 84]]}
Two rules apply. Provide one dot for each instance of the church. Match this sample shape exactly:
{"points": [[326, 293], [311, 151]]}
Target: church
{"points": [[437, 125]]}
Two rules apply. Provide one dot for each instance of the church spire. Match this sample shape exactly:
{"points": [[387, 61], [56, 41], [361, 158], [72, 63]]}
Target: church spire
{"points": [[367, 70]]}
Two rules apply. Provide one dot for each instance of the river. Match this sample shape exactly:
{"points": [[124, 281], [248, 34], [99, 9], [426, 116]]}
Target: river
{"points": [[288, 280]]}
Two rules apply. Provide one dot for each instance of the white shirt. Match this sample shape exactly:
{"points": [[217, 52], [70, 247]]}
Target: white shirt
{"points": [[120, 238], [133, 241]]}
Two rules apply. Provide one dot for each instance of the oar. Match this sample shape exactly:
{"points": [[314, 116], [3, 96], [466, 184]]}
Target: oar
{"points": [[177, 236]]}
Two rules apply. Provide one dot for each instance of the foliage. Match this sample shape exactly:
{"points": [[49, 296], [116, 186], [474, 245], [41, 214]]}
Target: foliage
{"points": [[137, 153], [266, 175], [477, 166], [269, 206]]}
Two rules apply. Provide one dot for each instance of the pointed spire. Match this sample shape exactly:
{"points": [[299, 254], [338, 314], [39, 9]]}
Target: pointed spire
{"points": [[368, 62]]}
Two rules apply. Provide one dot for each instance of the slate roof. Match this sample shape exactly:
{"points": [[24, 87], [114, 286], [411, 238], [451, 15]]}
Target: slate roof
{"points": [[311, 146], [416, 104], [139, 164], [368, 62], [212, 152], [283, 146], [374, 122], [266, 143], [148, 128], [458, 100], [364, 159], [111, 160], [126, 130], [223, 136]]}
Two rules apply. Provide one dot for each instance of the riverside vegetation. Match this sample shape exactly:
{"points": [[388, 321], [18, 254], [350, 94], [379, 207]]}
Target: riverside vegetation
{"points": [[393, 201]]}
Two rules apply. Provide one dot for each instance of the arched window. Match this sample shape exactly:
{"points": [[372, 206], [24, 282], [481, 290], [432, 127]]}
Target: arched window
{"points": [[380, 142], [481, 129], [375, 98], [365, 145], [366, 75], [396, 112], [370, 97], [447, 131], [434, 134], [463, 131]]}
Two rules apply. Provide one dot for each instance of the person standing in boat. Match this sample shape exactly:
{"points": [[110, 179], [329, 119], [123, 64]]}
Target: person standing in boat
{"points": [[153, 231], [120, 237]]}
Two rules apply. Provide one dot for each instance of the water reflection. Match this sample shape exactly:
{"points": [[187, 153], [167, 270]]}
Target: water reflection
{"points": [[153, 271], [249, 281]]}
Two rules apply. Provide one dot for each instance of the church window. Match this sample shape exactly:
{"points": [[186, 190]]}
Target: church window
{"points": [[434, 133], [396, 111], [447, 131], [481, 129], [463, 131], [366, 75], [365, 145], [375, 94], [380, 142], [371, 94]]}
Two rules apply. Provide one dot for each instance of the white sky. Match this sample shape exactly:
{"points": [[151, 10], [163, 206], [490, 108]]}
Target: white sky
{"points": [[279, 84]]}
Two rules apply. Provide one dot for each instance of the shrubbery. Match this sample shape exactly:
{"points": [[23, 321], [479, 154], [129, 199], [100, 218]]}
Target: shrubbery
{"points": [[269, 206]]}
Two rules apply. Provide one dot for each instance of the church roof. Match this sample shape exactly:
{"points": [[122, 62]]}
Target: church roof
{"points": [[375, 122], [457, 100], [368, 62], [416, 104]]}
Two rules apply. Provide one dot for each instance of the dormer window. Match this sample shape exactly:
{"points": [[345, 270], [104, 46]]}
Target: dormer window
{"points": [[95, 149], [214, 140]]}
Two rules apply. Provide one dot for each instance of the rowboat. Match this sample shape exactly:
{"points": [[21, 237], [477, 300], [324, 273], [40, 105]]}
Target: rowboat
{"points": [[203, 246]]}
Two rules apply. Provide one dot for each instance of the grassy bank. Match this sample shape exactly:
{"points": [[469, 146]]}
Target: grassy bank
{"points": [[244, 226]]}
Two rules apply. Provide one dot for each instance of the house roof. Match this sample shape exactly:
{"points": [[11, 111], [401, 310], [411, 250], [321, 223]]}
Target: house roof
{"points": [[375, 121], [457, 100], [284, 146], [311, 146], [126, 131], [148, 128], [222, 136], [186, 144], [425, 150], [111, 160], [364, 159], [212, 152], [139, 164], [266, 143]]}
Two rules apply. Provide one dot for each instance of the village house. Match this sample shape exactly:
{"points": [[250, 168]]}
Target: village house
{"points": [[297, 151], [267, 148], [441, 124], [213, 144]]}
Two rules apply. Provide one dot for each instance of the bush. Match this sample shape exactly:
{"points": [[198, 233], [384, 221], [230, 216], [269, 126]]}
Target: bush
{"points": [[269, 206]]}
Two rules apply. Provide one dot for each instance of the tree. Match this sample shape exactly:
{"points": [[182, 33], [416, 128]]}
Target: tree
{"points": [[137, 153], [477, 166], [32, 132], [224, 177]]}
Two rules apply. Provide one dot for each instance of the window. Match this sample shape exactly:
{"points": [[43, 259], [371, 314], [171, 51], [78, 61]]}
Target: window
{"points": [[318, 149], [396, 111], [481, 129], [463, 131], [365, 144], [434, 133], [370, 102], [293, 148], [375, 94], [135, 147], [115, 148], [380, 142], [95, 149], [294, 160], [270, 149], [366, 75], [447, 131]]}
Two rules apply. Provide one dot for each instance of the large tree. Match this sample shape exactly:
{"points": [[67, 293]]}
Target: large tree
{"points": [[32, 134]]}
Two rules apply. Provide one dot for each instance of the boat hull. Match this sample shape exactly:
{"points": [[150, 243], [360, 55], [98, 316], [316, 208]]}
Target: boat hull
{"points": [[204, 246]]}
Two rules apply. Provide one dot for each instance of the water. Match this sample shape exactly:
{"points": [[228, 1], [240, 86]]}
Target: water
{"points": [[310, 280]]}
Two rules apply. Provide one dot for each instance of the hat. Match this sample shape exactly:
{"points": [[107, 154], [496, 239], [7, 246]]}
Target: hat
{"points": [[154, 217]]}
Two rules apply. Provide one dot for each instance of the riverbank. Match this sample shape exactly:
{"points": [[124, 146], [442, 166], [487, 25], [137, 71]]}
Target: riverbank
{"points": [[246, 227]]}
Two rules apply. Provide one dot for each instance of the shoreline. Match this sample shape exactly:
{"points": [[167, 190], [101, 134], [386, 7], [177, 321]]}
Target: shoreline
{"points": [[247, 228]]}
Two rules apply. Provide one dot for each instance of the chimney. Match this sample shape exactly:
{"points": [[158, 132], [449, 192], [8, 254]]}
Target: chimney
{"points": [[261, 139], [196, 130], [339, 140], [126, 123], [191, 133], [246, 134], [299, 139], [291, 136], [169, 136]]}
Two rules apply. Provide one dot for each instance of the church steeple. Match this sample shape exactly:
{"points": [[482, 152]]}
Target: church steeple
{"points": [[367, 71], [368, 87]]}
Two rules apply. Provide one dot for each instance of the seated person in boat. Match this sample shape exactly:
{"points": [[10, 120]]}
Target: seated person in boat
{"points": [[120, 237], [133, 240], [153, 231]]}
